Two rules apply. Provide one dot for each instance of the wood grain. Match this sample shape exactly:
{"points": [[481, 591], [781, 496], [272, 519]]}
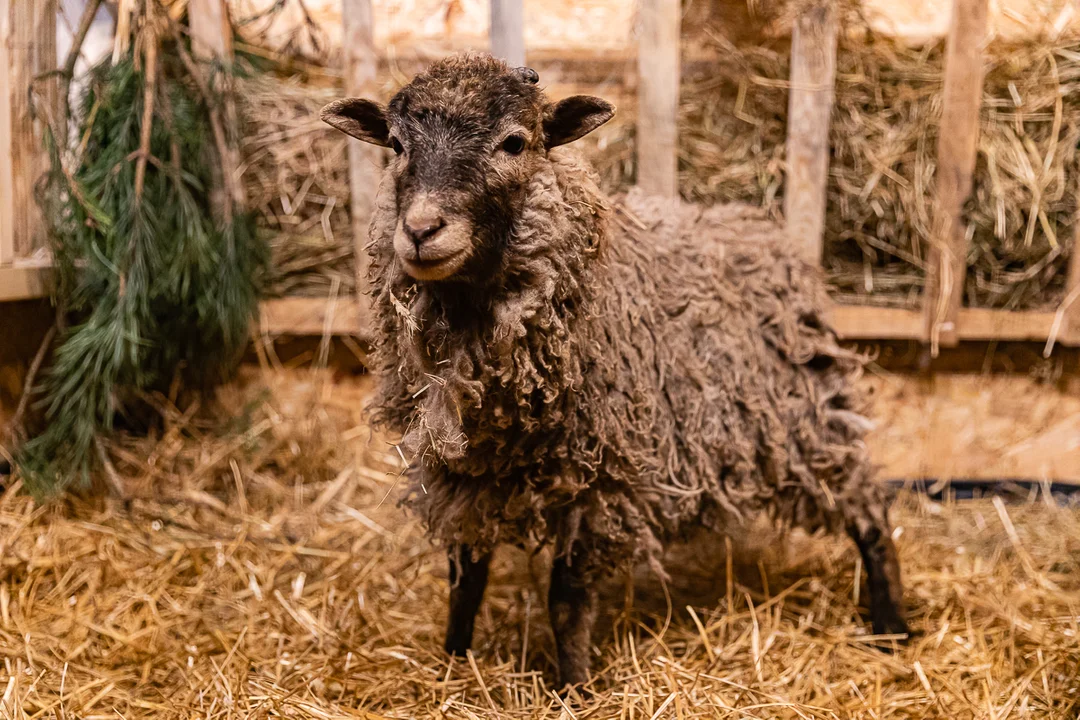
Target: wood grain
{"points": [[658, 97], [810, 103], [958, 139]]}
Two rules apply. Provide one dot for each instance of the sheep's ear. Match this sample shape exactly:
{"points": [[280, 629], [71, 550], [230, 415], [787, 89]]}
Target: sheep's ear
{"points": [[362, 119], [575, 117]]}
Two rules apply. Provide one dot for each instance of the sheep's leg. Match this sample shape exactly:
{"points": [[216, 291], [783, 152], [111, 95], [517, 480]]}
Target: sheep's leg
{"points": [[572, 606], [883, 574], [468, 579]]}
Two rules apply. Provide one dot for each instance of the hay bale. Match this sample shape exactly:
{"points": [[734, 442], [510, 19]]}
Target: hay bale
{"points": [[297, 180], [884, 138]]}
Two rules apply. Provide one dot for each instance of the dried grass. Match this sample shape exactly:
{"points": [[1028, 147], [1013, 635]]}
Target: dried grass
{"points": [[884, 139], [297, 179], [267, 577]]}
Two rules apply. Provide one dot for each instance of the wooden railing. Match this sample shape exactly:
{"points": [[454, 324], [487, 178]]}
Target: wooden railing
{"points": [[942, 321]]}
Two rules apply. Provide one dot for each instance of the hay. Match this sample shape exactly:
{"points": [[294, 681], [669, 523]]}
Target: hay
{"points": [[297, 180], [884, 139], [269, 580]]}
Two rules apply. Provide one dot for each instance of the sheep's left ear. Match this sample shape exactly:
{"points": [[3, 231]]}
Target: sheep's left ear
{"points": [[362, 119], [575, 117]]}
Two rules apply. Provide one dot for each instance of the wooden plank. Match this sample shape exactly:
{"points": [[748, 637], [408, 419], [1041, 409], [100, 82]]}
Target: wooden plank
{"points": [[508, 31], [958, 139], [211, 40], [7, 195], [18, 283], [810, 103], [310, 316], [658, 97], [211, 32], [365, 160], [1071, 303], [30, 51], [858, 322]]}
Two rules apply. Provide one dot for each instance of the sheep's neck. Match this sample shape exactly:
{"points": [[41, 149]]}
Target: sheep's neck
{"points": [[494, 356]]}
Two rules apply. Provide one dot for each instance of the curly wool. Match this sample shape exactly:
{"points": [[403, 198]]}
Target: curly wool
{"points": [[624, 378]]}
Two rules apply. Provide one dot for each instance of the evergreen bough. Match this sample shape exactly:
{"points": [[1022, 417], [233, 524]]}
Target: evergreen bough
{"points": [[153, 275]]}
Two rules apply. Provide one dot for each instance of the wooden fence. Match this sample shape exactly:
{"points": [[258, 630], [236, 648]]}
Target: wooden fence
{"points": [[942, 321]]}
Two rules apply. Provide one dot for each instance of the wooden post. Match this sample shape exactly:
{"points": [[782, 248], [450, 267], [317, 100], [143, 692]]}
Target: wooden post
{"points": [[7, 195], [1072, 293], [958, 142], [810, 103], [211, 39], [508, 31], [658, 97], [365, 160], [28, 40], [211, 31]]}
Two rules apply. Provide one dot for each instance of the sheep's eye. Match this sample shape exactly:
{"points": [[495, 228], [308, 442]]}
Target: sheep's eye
{"points": [[397, 146], [514, 144]]}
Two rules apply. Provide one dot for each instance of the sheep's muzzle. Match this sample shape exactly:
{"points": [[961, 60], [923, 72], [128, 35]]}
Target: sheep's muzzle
{"points": [[430, 243]]}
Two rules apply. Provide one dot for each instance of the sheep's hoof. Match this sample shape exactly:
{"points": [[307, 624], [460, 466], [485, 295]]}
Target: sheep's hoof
{"points": [[890, 622], [575, 695]]}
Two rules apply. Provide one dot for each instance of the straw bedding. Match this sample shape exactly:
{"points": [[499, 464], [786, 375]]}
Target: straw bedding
{"points": [[266, 580]]}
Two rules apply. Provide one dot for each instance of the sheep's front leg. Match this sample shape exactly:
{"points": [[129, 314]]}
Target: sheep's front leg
{"points": [[883, 576], [572, 605], [468, 579]]}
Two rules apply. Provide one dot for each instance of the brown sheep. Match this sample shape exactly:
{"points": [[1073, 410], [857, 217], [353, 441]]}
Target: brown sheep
{"points": [[603, 387]]}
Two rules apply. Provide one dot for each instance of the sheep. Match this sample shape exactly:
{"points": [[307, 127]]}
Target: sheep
{"points": [[565, 374]]}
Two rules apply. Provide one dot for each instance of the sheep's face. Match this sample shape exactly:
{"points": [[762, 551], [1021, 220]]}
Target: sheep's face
{"points": [[467, 137]]}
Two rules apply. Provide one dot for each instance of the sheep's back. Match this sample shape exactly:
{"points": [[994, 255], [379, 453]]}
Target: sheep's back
{"points": [[736, 395]]}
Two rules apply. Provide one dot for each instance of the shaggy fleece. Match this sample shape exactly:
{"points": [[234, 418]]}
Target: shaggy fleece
{"points": [[635, 370]]}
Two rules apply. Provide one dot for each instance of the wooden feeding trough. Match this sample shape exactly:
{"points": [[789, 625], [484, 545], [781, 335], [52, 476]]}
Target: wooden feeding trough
{"points": [[28, 33]]}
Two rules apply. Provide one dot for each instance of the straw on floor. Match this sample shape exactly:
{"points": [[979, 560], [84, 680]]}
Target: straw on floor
{"points": [[263, 570]]}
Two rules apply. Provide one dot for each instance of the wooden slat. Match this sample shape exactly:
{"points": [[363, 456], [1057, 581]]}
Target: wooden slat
{"points": [[858, 322], [1072, 290], [658, 97], [365, 161], [508, 31], [22, 284], [30, 51], [211, 32], [855, 322], [810, 102], [958, 139], [211, 38], [310, 316], [7, 195]]}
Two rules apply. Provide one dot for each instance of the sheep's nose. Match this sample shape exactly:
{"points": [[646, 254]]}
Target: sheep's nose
{"points": [[420, 227]]}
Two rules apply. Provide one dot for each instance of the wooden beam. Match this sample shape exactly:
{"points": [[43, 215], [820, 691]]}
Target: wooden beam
{"points": [[658, 97], [958, 141], [211, 31], [508, 31], [810, 103], [1071, 302], [17, 283], [365, 160], [29, 50], [311, 316], [7, 194], [211, 39], [859, 322]]}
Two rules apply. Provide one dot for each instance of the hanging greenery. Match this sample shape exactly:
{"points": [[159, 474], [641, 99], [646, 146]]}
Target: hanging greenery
{"points": [[158, 270]]}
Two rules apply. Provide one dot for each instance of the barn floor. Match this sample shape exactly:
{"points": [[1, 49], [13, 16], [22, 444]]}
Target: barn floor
{"points": [[264, 570]]}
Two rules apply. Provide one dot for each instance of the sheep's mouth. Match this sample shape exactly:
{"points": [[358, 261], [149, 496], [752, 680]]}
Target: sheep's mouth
{"points": [[434, 268], [438, 255]]}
